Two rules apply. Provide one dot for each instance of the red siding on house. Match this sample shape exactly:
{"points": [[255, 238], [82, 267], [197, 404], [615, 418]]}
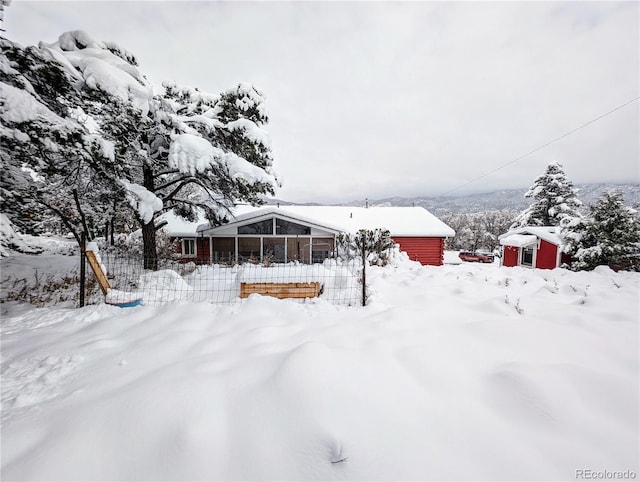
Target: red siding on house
{"points": [[426, 250], [202, 250], [546, 257], [510, 256]]}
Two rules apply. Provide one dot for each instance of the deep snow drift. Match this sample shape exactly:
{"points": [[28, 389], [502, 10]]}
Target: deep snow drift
{"points": [[469, 372]]}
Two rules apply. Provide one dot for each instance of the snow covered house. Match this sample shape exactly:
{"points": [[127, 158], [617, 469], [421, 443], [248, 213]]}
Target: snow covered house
{"points": [[307, 234], [533, 247]]}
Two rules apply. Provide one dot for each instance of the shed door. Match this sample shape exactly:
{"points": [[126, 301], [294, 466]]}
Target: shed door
{"points": [[547, 255], [510, 256]]}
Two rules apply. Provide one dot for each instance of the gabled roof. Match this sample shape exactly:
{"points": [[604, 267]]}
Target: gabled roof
{"points": [[400, 221], [258, 214], [550, 234]]}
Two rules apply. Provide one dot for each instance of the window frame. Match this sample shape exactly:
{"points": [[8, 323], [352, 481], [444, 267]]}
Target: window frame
{"points": [[189, 242], [525, 249]]}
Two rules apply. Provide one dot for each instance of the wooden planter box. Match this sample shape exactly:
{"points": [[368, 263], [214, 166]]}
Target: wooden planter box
{"points": [[281, 290]]}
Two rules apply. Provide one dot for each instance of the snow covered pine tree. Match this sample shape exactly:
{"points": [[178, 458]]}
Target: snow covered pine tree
{"points": [[49, 156], [182, 149], [554, 200], [609, 236]]}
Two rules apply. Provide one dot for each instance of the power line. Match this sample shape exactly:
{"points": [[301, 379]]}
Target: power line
{"points": [[541, 147]]}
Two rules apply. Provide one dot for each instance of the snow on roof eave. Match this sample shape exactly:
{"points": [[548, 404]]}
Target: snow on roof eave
{"points": [[519, 240], [546, 233]]}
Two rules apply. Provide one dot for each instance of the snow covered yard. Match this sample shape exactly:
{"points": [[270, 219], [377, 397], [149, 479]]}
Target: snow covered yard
{"points": [[457, 372]]}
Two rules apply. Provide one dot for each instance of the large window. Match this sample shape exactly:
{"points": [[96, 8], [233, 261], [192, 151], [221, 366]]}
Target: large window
{"points": [[298, 249], [527, 257], [322, 249], [224, 250], [273, 249], [287, 227], [249, 249], [261, 227], [188, 247]]}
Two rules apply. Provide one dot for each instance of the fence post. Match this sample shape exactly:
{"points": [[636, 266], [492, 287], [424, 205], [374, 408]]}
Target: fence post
{"points": [[83, 267], [364, 273]]}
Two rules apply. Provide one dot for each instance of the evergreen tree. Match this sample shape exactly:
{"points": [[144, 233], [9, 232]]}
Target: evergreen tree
{"points": [[182, 149], [610, 235], [48, 155], [554, 200], [82, 132]]}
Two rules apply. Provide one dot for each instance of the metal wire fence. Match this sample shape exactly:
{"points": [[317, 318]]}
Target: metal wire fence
{"points": [[336, 281]]}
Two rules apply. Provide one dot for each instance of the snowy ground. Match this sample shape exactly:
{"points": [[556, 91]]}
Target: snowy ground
{"points": [[459, 372]]}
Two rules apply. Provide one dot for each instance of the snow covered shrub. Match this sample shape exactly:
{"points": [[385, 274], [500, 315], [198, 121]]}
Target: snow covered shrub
{"points": [[131, 244], [609, 236], [49, 289], [10, 240], [377, 243]]}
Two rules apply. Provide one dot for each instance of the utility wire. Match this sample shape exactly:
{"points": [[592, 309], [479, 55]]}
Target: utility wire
{"points": [[540, 147]]}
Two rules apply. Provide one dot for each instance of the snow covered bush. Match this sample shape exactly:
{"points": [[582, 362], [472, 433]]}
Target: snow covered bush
{"points": [[554, 199], [609, 236], [377, 243], [131, 245], [10, 240]]}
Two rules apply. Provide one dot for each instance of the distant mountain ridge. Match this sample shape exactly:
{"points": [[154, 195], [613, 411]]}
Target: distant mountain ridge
{"points": [[511, 199]]}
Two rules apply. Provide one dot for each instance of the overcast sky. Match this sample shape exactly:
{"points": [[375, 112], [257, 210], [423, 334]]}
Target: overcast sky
{"points": [[376, 99]]}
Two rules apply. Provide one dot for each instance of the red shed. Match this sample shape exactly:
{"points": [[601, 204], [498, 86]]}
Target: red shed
{"points": [[533, 247]]}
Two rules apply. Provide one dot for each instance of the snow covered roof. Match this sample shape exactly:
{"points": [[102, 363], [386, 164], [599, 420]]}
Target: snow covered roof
{"points": [[519, 240], [400, 221], [550, 234], [176, 226]]}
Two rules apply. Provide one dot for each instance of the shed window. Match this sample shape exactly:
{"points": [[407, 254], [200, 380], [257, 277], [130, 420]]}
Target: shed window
{"points": [[261, 227], [287, 227], [188, 247], [527, 257]]}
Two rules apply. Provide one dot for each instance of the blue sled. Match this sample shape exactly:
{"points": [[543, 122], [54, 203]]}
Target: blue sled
{"points": [[128, 304]]}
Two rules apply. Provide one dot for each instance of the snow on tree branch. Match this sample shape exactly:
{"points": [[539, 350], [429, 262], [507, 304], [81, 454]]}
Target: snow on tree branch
{"points": [[103, 66], [251, 131], [143, 201], [191, 154]]}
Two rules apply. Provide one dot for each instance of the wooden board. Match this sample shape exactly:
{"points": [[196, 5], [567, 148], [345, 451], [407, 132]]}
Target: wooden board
{"points": [[281, 290], [97, 270]]}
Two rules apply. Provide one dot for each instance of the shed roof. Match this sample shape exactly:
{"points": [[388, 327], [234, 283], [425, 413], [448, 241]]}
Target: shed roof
{"points": [[519, 240], [550, 234], [400, 221]]}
